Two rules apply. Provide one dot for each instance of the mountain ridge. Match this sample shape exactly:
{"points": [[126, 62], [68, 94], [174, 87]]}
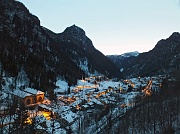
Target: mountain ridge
{"points": [[40, 53], [80, 48], [162, 59], [29, 47]]}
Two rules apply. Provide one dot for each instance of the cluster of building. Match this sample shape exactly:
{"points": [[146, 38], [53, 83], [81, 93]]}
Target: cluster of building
{"points": [[90, 93]]}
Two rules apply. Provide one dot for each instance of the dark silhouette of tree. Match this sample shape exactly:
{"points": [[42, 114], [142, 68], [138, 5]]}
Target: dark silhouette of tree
{"points": [[52, 95]]}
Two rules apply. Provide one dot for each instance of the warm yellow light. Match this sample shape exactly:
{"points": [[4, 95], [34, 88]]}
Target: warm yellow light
{"points": [[28, 121], [46, 115], [78, 107]]}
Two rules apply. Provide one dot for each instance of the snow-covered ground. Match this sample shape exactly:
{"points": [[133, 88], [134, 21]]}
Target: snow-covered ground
{"points": [[88, 95]]}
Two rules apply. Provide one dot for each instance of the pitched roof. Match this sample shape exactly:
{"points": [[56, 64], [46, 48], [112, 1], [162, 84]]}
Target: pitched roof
{"points": [[33, 91], [20, 93]]}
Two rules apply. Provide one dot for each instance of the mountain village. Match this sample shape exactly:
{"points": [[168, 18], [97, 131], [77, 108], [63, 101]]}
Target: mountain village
{"points": [[90, 98], [60, 83]]}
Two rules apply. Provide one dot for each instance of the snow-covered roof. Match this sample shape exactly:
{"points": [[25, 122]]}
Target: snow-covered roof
{"points": [[59, 90], [84, 83], [62, 84], [69, 116], [57, 126], [87, 90], [33, 91], [90, 103], [63, 109], [50, 108], [105, 100], [112, 99], [85, 106], [143, 85], [77, 102], [106, 84], [20, 93], [134, 80], [96, 101]]}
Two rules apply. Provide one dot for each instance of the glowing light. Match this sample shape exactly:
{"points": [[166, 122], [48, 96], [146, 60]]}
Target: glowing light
{"points": [[28, 121], [47, 115], [78, 107]]}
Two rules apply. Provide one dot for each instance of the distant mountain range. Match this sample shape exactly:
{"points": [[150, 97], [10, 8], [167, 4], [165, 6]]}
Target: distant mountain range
{"points": [[164, 58], [130, 54], [43, 56], [121, 60]]}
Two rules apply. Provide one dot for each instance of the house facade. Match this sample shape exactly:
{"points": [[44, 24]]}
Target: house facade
{"points": [[28, 96], [38, 95], [23, 98]]}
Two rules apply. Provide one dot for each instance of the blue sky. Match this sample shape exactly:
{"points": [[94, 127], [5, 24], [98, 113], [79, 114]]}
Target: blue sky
{"points": [[114, 26]]}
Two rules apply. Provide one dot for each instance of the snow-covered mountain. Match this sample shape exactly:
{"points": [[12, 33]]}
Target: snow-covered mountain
{"points": [[44, 56], [121, 60], [129, 54], [26, 46]]}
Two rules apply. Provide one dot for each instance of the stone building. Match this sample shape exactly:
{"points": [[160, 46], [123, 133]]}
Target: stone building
{"points": [[28, 96], [38, 95], [23, 97]]}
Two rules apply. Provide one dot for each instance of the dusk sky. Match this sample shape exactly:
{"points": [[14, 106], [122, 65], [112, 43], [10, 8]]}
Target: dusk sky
{"points": [[114, 26]]}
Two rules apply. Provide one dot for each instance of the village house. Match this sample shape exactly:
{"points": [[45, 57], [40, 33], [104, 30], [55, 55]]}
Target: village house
{"points": [[23, 97], [28, 96], [38, 95], [67, 118]]}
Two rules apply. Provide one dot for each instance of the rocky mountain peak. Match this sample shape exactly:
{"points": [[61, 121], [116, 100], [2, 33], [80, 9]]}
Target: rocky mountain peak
{"points": [[175, 36], [170, 43], [76, 34], [74, 30]]}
